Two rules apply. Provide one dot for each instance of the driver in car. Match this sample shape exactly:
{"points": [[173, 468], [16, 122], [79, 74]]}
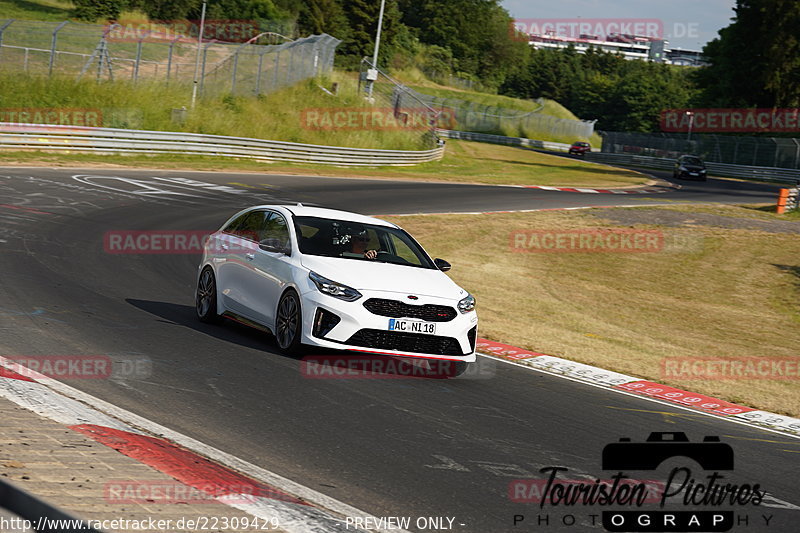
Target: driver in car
{"points": [[359, 246]]}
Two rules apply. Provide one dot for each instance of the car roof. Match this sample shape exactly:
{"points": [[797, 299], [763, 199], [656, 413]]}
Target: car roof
{"points": [[323, 212]]}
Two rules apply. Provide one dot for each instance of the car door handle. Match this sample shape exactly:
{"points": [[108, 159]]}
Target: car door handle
{"points": [[223, 246], [250, 257]]}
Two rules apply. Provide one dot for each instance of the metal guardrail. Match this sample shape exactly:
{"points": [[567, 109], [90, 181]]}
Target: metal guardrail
{"points": [[779, 152], [123, 141], [499, 139], [770, 174]]}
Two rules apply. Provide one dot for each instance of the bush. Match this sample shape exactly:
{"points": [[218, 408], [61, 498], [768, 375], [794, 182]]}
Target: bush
{"points": [[91, 10]]}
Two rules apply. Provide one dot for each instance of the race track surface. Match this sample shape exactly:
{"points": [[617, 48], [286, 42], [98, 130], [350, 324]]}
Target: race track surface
{"points": [[392, 447]]}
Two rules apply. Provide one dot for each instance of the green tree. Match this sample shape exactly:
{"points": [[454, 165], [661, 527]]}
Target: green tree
{"points": [[168, 9], [324, 16], [478, 33], [242, 10], [643, 91], [232, 20], [590, 96], [362, 16], [91, 10], [620, 94], [755, 61]]}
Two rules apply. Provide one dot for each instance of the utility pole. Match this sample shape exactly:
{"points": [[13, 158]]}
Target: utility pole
{"points": [[197, 55], [371, 82]]}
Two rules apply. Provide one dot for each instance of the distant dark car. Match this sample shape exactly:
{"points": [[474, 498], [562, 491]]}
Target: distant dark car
{"points": [[580, 148], [689, 167]]}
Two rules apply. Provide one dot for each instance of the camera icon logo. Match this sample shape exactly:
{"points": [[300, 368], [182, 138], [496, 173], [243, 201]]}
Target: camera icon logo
{"points": [[711, 454]]}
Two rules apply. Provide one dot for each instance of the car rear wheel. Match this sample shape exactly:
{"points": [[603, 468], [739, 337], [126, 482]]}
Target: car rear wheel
{"points": [[206, 297], [289, 323]]}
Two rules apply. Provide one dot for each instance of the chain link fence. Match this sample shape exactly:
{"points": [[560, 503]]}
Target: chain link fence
{"points": [[463, 115], [445, 78], [405, 105], [471, 116], [781, 152], [110, 52]]}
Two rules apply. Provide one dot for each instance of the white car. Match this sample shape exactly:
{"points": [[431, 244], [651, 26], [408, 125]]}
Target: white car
{"points": [[333, 279]]}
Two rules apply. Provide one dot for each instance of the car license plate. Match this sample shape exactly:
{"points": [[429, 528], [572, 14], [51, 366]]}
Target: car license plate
{"points": [[412, 326], [693, 173]]}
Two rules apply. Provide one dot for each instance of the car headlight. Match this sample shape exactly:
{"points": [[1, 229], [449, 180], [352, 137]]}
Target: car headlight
{"points": [[467, 304], [682, 169], [330, 287]]}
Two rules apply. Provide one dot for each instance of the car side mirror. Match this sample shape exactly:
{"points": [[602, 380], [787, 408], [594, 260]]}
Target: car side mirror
{"points": [[441, 264], [275, 246]]}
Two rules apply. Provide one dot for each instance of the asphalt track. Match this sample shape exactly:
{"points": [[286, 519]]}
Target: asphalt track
{"points": [[392, 447]]}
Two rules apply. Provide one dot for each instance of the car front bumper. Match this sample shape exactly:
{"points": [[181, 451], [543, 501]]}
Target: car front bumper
{"points": [[359, 329]]}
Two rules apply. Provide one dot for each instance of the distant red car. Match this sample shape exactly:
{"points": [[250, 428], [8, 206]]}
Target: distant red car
{"points": [[580, 148]]}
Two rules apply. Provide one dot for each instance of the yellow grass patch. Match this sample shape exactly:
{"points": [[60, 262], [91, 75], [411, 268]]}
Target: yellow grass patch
{"points": [[710, 292]]}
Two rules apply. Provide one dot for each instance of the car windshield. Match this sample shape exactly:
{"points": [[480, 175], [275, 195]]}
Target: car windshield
{"points": [[692, 161], [352, 240]]}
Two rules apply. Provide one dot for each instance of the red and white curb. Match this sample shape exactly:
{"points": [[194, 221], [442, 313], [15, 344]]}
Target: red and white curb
{"points": [[639, 387], [597, 191], [268, 496], [522, 210]]}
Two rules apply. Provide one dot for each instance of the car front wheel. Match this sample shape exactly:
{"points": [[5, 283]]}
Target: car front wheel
{"points": [[289, 323]]}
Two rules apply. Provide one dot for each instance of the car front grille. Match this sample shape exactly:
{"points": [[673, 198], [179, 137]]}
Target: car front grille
{"points": [[405, 342], [397, 309]]}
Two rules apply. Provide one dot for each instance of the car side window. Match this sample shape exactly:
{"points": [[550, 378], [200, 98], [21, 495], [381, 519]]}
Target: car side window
{"points": [[402, 250], [275, 231], [252, 226], [235, 223]]}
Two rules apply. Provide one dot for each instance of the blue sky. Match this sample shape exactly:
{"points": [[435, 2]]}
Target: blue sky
{"points": [[687, 23]]}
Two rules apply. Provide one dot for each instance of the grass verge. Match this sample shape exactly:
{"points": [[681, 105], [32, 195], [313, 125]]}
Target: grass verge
{"points": [[721, 292], [464, 161], [49, 10], [148, 105]]}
